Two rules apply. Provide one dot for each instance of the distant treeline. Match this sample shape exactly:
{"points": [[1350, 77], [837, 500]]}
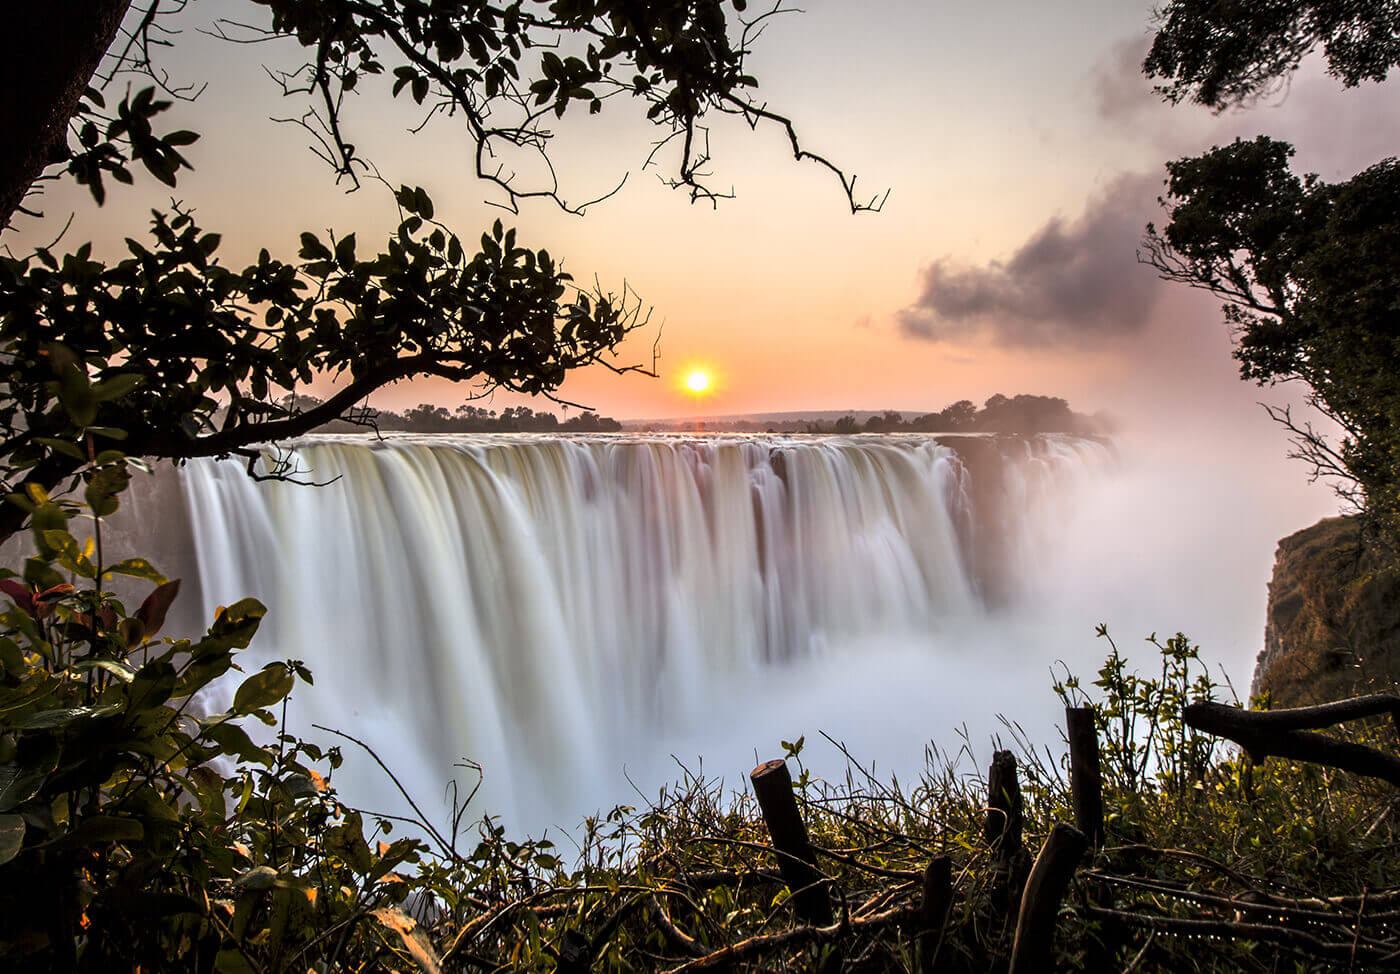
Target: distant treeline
{"points": [[466, 418], [999, 414]]}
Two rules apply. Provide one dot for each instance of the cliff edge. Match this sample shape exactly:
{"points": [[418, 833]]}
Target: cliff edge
{"points": [[1333, 622]]}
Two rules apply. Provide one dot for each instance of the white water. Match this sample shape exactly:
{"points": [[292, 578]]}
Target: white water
{"points": [[556, 608]]}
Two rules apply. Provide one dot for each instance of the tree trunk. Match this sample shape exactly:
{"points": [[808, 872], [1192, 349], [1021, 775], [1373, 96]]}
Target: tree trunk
{"points": [[48, 52]]}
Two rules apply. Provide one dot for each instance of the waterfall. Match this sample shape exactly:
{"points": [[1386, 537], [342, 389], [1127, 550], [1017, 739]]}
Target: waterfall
{"points": [[548, 605]]}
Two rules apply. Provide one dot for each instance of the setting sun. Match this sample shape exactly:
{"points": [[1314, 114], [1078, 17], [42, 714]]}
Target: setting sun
{"points": [[697, 381]]}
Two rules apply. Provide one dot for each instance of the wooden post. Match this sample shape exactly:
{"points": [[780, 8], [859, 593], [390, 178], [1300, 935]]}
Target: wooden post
{"points": [[1085, 778], [772, 785], [933, 912], [1002, 831], [1033, 949]]}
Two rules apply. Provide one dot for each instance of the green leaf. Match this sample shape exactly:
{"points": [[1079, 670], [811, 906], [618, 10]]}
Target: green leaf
{"points": [[68, 553], [258, 878], [117, 386], [234, 740], [137, 568], [11, 837], [263, 689], [152, 686], [21, 782], [101, 829], [47, 719], [120, 670], [66, 447]]}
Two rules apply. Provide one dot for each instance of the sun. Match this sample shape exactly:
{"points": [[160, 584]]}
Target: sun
{"points": [[697, 381]]}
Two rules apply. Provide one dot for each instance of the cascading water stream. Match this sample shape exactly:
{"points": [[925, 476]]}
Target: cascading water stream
{"points": [[549, 606]]}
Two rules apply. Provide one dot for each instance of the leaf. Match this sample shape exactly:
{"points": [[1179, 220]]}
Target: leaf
{"points": [[117, 386], [234, 740], [47, 719], [101, 829], [264, 688], [137, 568], [313, 249], [257, 878], [21, 595], [120, 670], [417, 944], [67, 447], [152, 686], [422, 203], [157, 604], [345, 252], [11, 837], [20, 782], [68, 553]]}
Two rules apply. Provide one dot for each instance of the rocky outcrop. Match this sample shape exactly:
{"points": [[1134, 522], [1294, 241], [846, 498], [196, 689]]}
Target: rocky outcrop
{"points": [[1333, 623]]}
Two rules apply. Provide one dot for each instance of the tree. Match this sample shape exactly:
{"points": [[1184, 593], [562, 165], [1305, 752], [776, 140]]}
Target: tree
{"points": [[1219, 54], [168, 353], [1308, 270], [960, 415]]}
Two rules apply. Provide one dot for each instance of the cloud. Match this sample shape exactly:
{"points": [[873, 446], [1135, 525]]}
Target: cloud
{"points": [[1122, 93], [1071, 283]]}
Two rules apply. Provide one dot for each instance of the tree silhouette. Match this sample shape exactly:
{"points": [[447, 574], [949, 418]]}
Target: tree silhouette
{"points": [[1307, 270]]}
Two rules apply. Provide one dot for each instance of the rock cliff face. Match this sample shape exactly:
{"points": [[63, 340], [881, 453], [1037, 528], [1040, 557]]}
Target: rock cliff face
{"points": [[1333, 623]]}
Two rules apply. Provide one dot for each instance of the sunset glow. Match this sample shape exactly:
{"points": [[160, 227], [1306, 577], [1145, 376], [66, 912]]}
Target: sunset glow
{"points": [[698, 381]]}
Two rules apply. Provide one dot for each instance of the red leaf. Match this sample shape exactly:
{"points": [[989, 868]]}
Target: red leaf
{"points": [[20, 594], [152, 611]]}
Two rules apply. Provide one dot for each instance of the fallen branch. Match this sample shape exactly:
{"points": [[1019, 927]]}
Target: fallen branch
{"points": [[1231, 932], [1262, 735], [798, 936]]}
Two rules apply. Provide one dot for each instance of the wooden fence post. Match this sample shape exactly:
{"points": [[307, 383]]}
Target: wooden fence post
{"points": [[933, 912], [772, 785], [1002, 831], [1085, 778], [1033, 949]]}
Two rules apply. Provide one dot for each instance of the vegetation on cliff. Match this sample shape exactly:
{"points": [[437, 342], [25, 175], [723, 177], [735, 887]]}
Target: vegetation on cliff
{"points": [[1333, 621]]}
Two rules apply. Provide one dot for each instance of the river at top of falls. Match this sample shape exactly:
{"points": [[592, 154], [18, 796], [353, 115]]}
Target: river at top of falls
{"points": [[555, 608]]}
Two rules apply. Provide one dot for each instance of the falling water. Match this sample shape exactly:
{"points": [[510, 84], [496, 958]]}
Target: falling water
{"points": [[551, 607]]}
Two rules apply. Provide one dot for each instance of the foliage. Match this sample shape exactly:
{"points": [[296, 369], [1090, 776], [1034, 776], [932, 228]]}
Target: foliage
{"points": [[136, 828], [1021, 413], [1307, 269], [168, 337], [467, 418], [1219, 54]]}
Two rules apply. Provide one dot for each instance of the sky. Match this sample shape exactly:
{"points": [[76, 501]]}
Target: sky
{"points": [[1021, 148]]}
